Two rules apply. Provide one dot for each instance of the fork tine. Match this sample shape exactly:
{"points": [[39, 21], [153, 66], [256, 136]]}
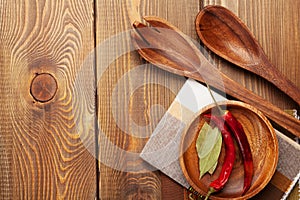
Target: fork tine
{"points": [[138, 26], [147, 33], [154, 23]]}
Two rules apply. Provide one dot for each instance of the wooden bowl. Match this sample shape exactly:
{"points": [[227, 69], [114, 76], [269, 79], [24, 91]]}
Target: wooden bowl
{"points": [[263, 144]]}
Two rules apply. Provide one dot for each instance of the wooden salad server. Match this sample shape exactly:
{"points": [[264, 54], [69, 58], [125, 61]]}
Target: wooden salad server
{"points": [[227, 36], [167, 47]]}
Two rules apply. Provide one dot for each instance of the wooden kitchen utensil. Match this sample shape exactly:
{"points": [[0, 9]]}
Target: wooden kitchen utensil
{"points": [[227, 36]]}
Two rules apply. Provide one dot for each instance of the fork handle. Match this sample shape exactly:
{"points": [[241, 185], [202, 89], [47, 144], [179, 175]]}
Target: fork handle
{"points": [[236, 90]]}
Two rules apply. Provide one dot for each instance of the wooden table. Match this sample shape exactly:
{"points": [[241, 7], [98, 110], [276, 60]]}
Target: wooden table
{"points": [[48, 145]]}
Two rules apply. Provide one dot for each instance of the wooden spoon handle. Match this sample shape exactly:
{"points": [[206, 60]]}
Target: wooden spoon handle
{"points": [[274, 113], [280, 81], [236, 90]]}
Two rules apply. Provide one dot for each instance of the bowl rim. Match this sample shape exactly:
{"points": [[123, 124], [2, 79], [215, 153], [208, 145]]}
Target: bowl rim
{"points": [[271, 132]]}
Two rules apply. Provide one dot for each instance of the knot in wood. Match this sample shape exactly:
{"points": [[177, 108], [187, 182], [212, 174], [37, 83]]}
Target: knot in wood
{"points": [[43, 87]]}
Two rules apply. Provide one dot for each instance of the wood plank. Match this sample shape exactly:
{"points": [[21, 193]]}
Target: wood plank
{"points": [[171, 190], [128, 117], [41, 152]]}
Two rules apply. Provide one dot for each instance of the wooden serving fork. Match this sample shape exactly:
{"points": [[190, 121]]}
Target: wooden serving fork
{"points": [[165, 46]]}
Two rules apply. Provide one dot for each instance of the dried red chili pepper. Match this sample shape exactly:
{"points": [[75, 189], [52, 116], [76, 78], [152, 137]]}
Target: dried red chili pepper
{"points": [[241, 138], [227, 166], [237, 130]]}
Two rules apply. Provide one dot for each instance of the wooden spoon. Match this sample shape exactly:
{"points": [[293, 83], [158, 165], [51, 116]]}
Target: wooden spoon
{"points": [[168, 48], [227, 36]]}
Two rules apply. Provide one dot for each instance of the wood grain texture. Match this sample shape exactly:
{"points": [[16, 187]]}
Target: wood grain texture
{"points": [[41, 152], [128, 177]]}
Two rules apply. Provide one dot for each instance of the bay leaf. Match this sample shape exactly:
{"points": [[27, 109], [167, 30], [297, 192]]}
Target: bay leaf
{"points": [[212, 170], [208, 146]]}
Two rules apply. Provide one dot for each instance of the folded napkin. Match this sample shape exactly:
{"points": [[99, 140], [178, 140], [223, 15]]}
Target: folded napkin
{"points": [[163, 148]]}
